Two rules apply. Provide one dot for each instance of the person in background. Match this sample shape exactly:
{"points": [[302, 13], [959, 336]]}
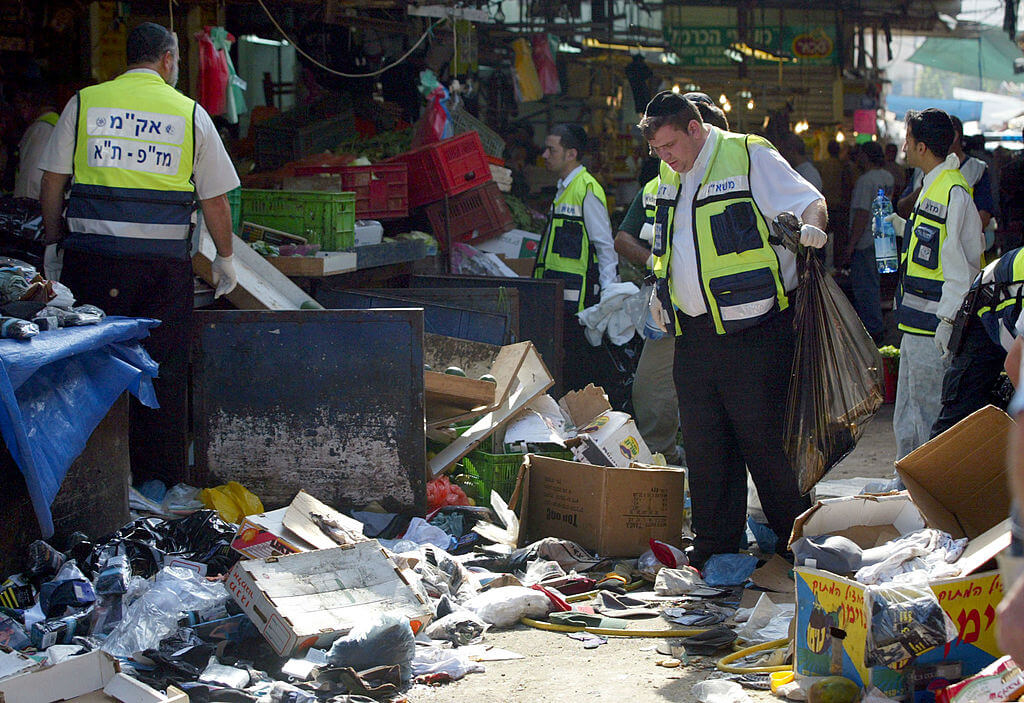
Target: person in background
{"points": [[35, 106], [141, 154], [941, 256], [655, 406], [899, 174], [1010, 611], [795, 152], [836, 186], [730, 315], [975, 172], [860, 252], [577, 249], [1011, 202]]}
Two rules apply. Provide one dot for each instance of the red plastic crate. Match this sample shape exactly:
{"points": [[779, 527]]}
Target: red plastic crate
{"points": [[445, 168], [473, 216], [382, 190]]}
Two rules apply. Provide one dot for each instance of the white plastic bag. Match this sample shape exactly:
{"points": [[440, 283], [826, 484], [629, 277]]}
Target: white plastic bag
{"points": [[676, 582], [505, 606], [435, 660]]}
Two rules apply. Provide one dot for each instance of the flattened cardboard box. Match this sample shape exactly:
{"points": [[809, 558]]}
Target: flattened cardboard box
{"points": [[298, 601], [610, 510]]}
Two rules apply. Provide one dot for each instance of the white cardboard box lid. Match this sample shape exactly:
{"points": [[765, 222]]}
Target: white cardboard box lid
{"points": [[73, 677]]}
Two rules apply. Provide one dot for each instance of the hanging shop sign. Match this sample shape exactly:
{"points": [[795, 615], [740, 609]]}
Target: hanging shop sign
{"points": [[711, 45]]}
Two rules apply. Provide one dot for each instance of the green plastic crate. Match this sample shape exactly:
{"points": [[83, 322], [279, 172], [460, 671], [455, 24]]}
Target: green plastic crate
{"points": [[499, 471], [235, 201], [324, 218]]}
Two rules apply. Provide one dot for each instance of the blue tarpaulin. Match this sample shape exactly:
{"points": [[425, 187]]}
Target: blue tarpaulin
{"points": [[966, 110], [56, 388]]}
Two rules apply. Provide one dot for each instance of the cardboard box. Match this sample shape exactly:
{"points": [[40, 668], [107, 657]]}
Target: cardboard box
{"points": [[958, 479], [956, 483], [513, 244], [326, 263], [610, 510], [612, 439], [264, 535], [87, 678], [604, 436], [308, 600]]}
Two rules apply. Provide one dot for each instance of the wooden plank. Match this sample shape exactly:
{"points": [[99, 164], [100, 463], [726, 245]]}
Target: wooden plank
{"points": [[531, 380], [456, 391], [299, 519], [327, 264], [260, 285]]}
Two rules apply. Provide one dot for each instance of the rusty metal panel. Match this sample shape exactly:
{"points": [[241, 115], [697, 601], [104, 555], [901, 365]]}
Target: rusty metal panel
{"points": [[93, 497], [330, 401]]}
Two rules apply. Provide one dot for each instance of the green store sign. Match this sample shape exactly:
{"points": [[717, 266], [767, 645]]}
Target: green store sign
{"points": [[706, 45]]}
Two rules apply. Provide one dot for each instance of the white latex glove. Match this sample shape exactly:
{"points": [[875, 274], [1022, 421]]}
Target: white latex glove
{"points": [[942, 335], [661, 317], [897, 222], [649, 264], [223, 274], [53, 262], [811, 236]]}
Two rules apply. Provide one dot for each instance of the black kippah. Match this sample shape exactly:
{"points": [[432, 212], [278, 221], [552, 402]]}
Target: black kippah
{"points": [[665, 103]]}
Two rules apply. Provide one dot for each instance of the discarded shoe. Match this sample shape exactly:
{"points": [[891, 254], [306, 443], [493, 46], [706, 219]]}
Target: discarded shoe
{"points": [[709, 642]]}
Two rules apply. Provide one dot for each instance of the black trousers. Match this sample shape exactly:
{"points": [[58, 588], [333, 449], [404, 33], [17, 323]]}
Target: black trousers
{"points": [[732, 397], [161, 289], [969, 380]]}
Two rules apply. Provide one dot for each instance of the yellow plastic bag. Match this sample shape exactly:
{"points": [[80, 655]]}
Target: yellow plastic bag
{"points": [[527, 80], [232, 501]]}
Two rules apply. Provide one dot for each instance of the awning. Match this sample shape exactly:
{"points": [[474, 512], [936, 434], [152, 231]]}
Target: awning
{"points": [[966, 110], [990, 55]]}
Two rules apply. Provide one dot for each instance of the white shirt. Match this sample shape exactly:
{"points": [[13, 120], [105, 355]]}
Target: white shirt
{"points": [[33, 144], [599, 230], [212, 170], [864, 193], [961, 252], [776, 187]]}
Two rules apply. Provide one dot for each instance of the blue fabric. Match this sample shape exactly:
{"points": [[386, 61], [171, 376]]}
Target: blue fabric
{"points": [[56, 388], [729, 569], [983, 193]]}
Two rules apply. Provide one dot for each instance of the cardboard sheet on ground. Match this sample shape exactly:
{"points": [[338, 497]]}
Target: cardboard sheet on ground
{"points": [[315, 522], [521, 376], [260, 285], [775, 575]]}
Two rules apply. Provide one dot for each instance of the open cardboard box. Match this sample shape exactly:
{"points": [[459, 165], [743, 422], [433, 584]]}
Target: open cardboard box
{"points": [[88, 678], [610, 510], [605, 437], [293, 529], [957, 483], [520, 374]]}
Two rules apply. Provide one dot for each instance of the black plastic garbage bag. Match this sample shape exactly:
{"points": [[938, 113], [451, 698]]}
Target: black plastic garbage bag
{"points": [[838, 382]]}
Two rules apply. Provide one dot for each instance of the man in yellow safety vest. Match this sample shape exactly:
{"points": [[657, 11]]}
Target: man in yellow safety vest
{"points": [[141, 155]]}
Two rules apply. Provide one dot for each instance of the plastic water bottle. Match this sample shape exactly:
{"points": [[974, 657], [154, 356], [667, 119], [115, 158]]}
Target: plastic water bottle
{"points": [[885, 236]]}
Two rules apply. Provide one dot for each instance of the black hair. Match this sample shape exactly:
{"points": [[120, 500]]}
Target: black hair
{"points": [[665, 109], [933, 128], [713, 115], [873, 152], [571, 136], [958, 126], [147, 43], [833, 148]]}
